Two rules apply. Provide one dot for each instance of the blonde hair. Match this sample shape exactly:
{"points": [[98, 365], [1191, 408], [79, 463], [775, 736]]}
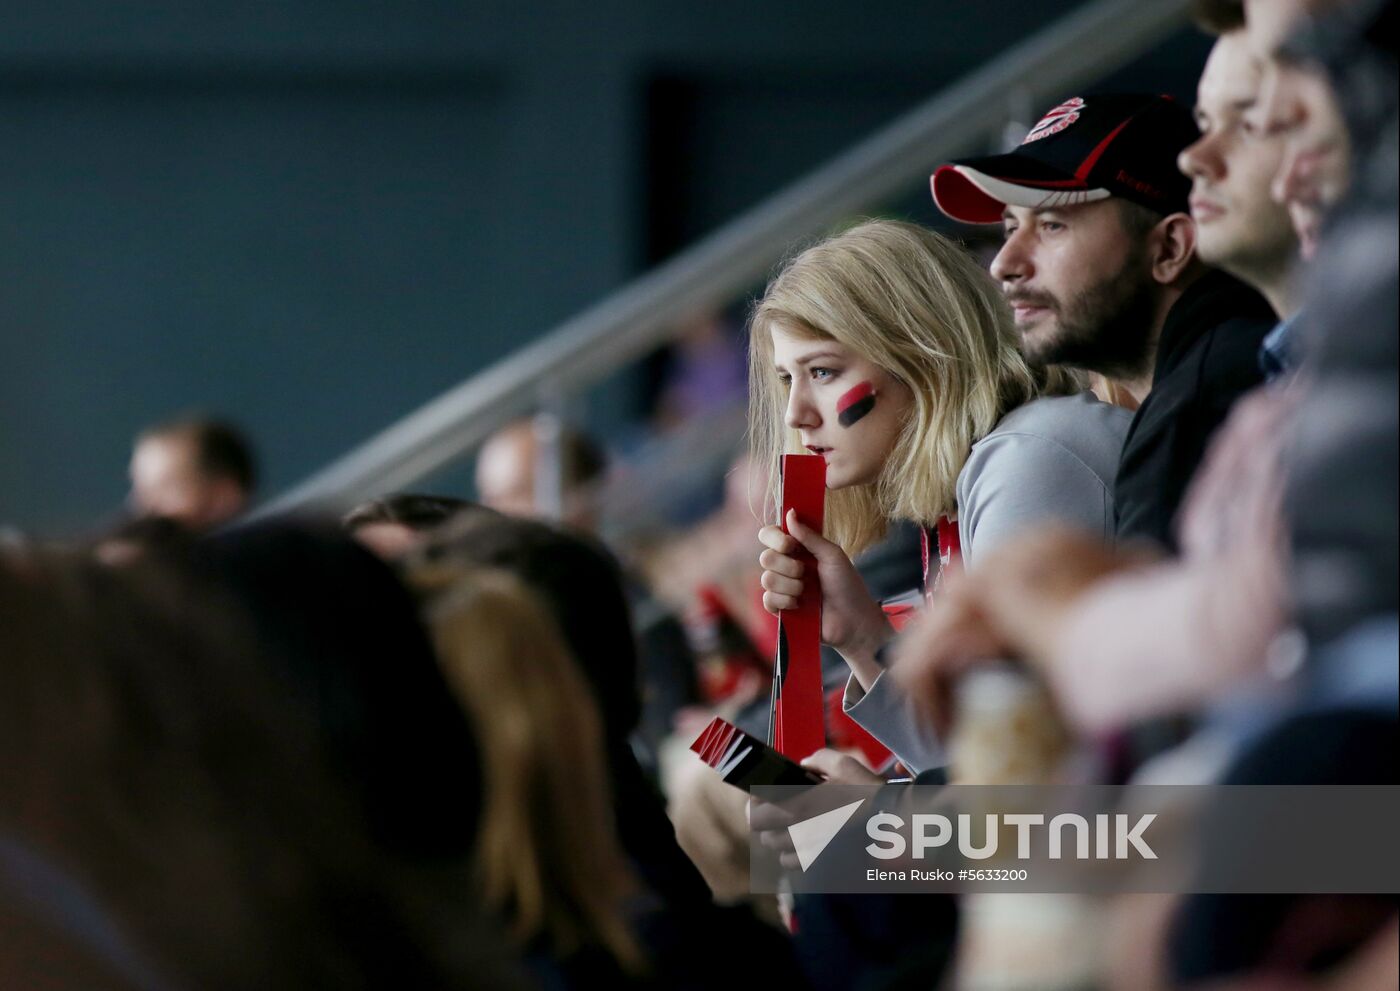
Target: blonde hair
{"points": [[547, 855], [920, 307]]}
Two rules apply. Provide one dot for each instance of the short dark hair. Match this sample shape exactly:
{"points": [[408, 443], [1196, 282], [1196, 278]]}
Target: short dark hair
{"points": [[582, 460], [1218, 16], [1136, 219], [410, 509], [221, 449]]}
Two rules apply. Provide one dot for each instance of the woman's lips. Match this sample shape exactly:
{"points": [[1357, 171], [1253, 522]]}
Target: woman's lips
{"points": [[818, 450]]}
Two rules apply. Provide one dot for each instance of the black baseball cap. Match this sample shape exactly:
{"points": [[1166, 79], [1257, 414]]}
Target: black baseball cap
{"points": [[1087, 148]]}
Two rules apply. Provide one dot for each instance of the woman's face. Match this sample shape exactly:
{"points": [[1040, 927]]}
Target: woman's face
{"points": [[847, 409]]}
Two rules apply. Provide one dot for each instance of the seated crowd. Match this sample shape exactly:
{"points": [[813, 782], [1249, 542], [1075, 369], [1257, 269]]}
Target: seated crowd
{"points": [[1149, 459]]}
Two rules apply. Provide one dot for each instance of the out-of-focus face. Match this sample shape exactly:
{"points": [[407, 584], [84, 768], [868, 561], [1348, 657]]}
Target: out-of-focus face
{"points": [[505, 480], [846, 408], [1239, 225], [1079, 286], [166, 482], [505, 472], [1298, 104]]}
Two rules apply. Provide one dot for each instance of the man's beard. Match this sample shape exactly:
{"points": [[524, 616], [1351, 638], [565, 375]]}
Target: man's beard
{"points": [[1105, 328]]}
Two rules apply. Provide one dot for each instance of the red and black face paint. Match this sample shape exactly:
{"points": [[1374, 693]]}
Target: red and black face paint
{"points": [[853, 405]]}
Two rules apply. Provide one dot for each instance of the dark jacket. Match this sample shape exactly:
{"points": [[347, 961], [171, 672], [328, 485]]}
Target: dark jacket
{"points": [[1207, 357]]}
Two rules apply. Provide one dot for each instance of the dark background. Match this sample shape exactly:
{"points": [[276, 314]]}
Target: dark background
{"points": [[314, 216]]}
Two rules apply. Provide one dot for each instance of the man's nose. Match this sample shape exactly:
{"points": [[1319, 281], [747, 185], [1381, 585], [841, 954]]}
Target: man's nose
{"points": [[1013, 261]]}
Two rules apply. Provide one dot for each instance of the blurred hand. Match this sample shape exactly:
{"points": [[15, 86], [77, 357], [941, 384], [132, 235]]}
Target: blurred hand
{"points": [[1026, 588], [1011, 607], [708, 815], [1236, 495], [770, 822], [841, 769], [938, 647], [689, 721], [852, 621]]}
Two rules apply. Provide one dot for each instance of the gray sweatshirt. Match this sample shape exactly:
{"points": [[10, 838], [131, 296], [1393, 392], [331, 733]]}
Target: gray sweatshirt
{"points": [[1052, 460]]}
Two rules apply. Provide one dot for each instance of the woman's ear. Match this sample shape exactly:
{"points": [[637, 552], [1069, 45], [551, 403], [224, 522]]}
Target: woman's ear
{"points": [[1172, 247]]}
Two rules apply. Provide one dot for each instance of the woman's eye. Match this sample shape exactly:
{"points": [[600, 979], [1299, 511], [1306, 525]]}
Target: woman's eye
{"points": [[822, 374], [1051, 225], [785, 380]]}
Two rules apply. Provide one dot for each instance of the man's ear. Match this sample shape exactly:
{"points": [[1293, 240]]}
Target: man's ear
{"points": [[224, 499], [1172, 247]]}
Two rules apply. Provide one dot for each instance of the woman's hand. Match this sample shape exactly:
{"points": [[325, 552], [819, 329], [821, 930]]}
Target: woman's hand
{"points": [[841, 769], [770, 821], [852, 621]]}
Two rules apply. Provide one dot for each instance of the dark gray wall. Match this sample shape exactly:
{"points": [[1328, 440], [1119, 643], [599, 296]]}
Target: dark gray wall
{"points": [[313, 216]]}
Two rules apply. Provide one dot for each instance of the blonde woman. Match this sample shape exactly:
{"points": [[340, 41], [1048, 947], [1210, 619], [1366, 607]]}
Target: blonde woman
{"points": [[887, 350], [547, 857]]}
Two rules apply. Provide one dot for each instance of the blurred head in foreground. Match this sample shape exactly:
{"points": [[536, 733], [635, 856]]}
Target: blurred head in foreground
{"points": [[559, 890], [394, 525], [180, 807]]}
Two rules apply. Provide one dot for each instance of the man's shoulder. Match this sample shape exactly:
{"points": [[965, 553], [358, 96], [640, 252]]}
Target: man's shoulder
{"points": [[1220, 365], [1211, 354], [1212, 360], [1214, 330], [1073, 421], [1076, 432]]}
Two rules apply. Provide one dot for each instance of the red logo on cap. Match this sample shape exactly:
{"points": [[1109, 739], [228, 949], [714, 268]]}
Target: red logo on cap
{"points": [[1056, 120]]}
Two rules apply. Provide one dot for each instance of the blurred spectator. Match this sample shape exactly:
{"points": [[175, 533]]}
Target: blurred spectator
{"points": [[581, 586], [509, 478], [344, 637], [561, 889], [717, 551], [194, 470], [174, 817], [1240, 226], [1331, 84], [1342, 487], [705, 372], [397, 525], [1108, 280], [1300, 107]]}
